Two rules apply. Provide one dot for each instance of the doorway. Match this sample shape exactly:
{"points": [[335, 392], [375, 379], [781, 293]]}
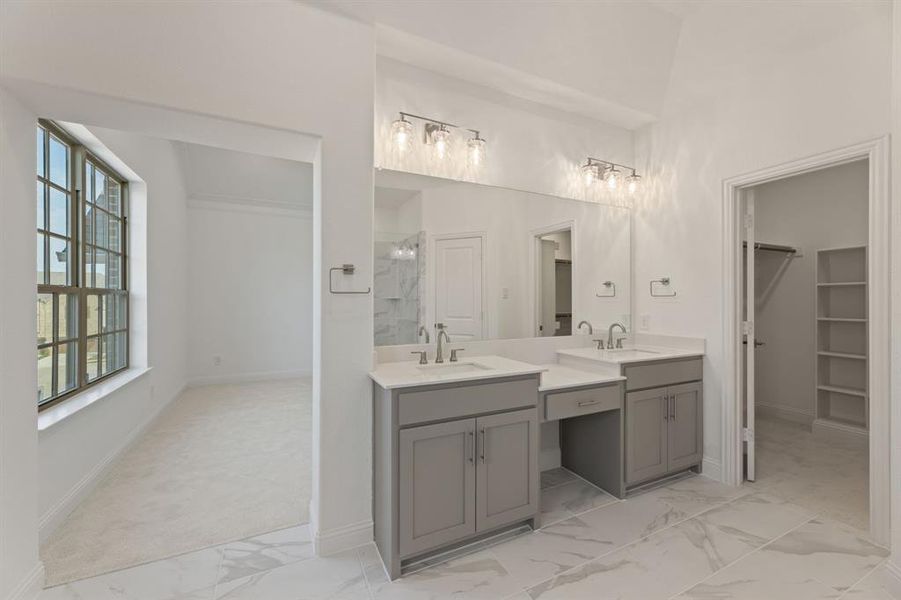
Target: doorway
{"points": [[805, 348], [554, 282], [459, 284], [828, 417]]}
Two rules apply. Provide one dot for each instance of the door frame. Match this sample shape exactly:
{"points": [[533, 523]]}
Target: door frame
{"points": [[432, 284], [876, 151], [535, 264]]}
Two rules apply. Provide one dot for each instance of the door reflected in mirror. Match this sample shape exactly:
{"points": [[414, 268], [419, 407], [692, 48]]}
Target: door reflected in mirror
{"points": [[493, 263]]}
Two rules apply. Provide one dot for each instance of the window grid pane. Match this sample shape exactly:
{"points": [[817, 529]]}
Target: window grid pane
{"points": [[69, 357]]}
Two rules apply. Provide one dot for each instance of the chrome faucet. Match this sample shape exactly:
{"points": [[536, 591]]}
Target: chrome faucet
{"points": [[442, 330], [590, 328], [423, 331], [619, 342]]}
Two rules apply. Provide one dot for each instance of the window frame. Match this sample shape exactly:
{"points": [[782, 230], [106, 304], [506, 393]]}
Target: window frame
{"points": [[78, 285]]}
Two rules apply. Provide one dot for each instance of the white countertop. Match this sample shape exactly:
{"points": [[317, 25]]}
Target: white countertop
{"points": [[411, 373], [558, 377], [637, 354]]}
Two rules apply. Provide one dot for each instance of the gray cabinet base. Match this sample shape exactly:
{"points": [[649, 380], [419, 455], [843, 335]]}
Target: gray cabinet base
{"points": [[592, 448]]}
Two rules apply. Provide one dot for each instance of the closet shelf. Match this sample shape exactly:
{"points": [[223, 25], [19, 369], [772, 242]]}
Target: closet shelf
{"points": [[843, 423], [841, 283], [842, 390], [841, 319], [842, 355]]}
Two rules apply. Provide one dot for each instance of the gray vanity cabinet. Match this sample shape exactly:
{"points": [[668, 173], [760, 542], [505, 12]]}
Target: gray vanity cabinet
{"points": [[646, 435], [507, 485], [437, 483], [684, 437], [664, 428], [453, 463]]}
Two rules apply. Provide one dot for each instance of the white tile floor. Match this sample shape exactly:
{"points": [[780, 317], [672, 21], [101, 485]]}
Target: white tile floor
{"points": [[829, 478], [693, 538]]}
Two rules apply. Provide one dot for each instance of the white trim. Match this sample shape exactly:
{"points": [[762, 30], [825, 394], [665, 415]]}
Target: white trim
{"points": [[892, 580], [712, 468], [59, 412], [57, 513], [247, 377], [879, 243], [343, 538], [832, 430], [248, 205], [30, 587], [432, 288], [785, 413]]}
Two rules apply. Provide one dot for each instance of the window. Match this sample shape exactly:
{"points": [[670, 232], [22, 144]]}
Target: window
{"points": [[82, 295]]}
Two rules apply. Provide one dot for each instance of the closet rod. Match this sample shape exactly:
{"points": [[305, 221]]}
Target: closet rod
{"points": [[771, 247]]}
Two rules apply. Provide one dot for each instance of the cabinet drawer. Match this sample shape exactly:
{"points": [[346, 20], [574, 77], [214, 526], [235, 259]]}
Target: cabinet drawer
{"points": [[582, 402], [645, 376], [465, 400]]}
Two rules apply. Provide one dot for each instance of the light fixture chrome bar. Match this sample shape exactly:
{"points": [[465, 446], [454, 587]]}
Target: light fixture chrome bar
{"points": [[444, 123]]}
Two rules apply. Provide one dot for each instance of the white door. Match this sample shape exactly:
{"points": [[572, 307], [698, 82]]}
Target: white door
{"points": [[547, 289], [458, 287], [748, 331]]}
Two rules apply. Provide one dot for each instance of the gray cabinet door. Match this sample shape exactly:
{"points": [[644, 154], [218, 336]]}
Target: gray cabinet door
{"points": [[436, 481], [686, 444], [507, 474], [646, 432]]}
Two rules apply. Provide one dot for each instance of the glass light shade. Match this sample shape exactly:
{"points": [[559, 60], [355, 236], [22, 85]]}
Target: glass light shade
{"points": [[441, 141], [633, 183], [476, 151], [402, 134], [589, 174], [612, 177]]}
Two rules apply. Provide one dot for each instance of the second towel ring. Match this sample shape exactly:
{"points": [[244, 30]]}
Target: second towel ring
{"points": [[664, 281]]}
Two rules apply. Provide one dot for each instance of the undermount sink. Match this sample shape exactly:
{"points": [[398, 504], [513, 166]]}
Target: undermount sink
{"points": [[452, 368]]}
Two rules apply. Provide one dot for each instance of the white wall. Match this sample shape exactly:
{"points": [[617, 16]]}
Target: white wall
{"points": [[895, 560], [101, 430], [529, 146], [761, 111], [824, 209], [250, 297], [18, 376], [42, 44]]}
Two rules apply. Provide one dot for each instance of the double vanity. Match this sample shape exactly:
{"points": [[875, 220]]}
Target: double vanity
{"points": [[456, 444]]}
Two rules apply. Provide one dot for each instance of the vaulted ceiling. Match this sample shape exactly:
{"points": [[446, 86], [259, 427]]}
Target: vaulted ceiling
{"points": [[612, 60]]}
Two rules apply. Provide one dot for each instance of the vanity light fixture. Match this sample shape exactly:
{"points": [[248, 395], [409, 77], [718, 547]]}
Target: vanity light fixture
{"points": [[633, 182], [596, 169], [475, 149], [612, 176], [440, 139], [438, 135], [402, 134]]}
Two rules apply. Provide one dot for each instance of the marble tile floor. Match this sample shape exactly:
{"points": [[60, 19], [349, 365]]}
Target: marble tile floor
{"points": [[829, 478], [690, 539]]}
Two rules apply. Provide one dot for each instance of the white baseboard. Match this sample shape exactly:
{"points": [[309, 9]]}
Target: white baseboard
{"points": [[712, 468], [246, 377], [55, 516], [343, 538], [830, 430], [31, 585], [549, 459], [786, 413]]}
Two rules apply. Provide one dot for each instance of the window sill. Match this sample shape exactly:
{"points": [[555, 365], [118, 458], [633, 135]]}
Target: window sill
{"points": [[55, 414]]}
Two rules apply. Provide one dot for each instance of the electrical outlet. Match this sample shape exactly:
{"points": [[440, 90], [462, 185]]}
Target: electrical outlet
{"points": [[217, 360], [645, 323], [505, 293]]}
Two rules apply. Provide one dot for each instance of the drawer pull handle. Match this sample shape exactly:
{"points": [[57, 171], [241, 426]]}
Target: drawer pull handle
{"points": [[482, 456], [472, 446], [589, 402]]}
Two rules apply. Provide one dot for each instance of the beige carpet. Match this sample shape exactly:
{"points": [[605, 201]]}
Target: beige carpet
{"points": [[222, 463]]}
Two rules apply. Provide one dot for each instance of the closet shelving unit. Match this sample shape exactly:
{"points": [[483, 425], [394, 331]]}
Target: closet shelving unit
{"points": [[842, 404]]}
